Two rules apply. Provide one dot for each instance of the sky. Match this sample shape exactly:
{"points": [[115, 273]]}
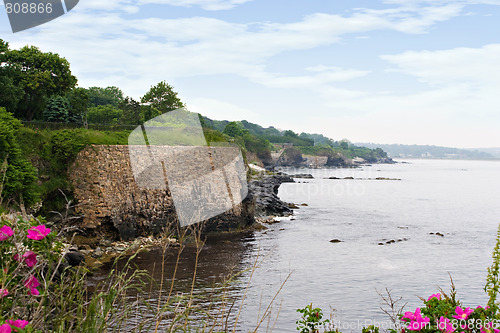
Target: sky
{"points": [[381, 71]]}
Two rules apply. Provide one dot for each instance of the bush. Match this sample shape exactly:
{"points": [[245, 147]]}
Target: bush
{"points": [[17, 174]]}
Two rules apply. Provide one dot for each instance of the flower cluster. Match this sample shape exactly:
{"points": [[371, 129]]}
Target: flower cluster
{"points": [[444, 314], [20, 246]]}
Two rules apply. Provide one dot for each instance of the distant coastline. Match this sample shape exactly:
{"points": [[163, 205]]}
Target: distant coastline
{"points": [[436, 152]]}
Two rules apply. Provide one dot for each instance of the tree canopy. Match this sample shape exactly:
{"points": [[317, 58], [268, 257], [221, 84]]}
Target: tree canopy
{"points": [[37, 74], [163, 97]]}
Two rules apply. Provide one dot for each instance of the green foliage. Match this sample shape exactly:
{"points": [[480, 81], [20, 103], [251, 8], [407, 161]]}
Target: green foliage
{"points": [[234, 129], [105, 96], [311, 321], [104, 114], [57, 110], [39, 75], [79, 101], [492, 280], [163, 97], [19, 176], [131, 111], [370, 329]]}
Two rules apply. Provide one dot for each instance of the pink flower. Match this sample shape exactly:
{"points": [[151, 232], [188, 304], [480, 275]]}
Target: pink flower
{"points": [[445, 325], [5, 232], [30, 258], [3, 292], [409, 316], [31, 284], [5, 328], [438, 296], [38, 232], [18, 323], [462, 314], [489, 328], [417, 321]]}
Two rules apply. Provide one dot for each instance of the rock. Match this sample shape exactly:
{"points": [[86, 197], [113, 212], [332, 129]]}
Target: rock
{"points": [[86, 252], [390, 241], [439, 234], [303, 175], [304, 204], [333, 177], [74, 258], [105, 242], [119, 248], [335, 241], [384, 178], [98, 252], [293, 206], [265, 193], [380, 243], [348, 178]]}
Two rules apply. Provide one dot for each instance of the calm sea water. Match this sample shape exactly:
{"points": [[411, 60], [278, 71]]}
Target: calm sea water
{"points": [[459, 199]]}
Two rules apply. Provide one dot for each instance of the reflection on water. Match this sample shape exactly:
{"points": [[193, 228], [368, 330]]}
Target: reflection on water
{"points": [[216, 292]]}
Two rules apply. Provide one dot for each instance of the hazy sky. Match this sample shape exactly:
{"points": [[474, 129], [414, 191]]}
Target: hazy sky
{"points": [[394, 71]]}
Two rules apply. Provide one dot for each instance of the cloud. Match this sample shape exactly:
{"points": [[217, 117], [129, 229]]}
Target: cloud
{"points": [[205, 4], [474, 67], [323, 75], [216, 109]]}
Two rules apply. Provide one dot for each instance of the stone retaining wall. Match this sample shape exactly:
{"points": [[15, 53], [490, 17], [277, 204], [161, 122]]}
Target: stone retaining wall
{"points": [[113, 203]]}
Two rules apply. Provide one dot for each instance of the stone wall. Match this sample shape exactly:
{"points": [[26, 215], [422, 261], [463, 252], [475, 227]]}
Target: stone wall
{"points": [[112, 202]]}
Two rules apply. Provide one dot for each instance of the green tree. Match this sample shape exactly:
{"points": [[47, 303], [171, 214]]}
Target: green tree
{"points": [[40, 75], [234, 129], [79, 100], [149, 112], [57, 110], [18, 176], [10, 92], [344, 144], [163, 97], [103, 96], [104, 115], [131, 112]]}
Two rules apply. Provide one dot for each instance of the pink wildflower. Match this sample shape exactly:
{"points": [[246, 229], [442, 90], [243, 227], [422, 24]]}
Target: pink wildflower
{"points": [[30, 258], [5, 328], [31, 284], [3, 292], [38, 232], [462, 314], [410, 316], [18, 323], [445, 325], [417, 321], [438, 296], [5, 232], [489, 328]]}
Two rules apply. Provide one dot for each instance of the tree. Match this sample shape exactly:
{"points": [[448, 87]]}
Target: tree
{"points": [[344, 144], [79, 100], [17, 175], [104, 96], [104, 114], [10, 93], [40, 75], [163, 97], [132, 112], [233, 129], [57, 110]]}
